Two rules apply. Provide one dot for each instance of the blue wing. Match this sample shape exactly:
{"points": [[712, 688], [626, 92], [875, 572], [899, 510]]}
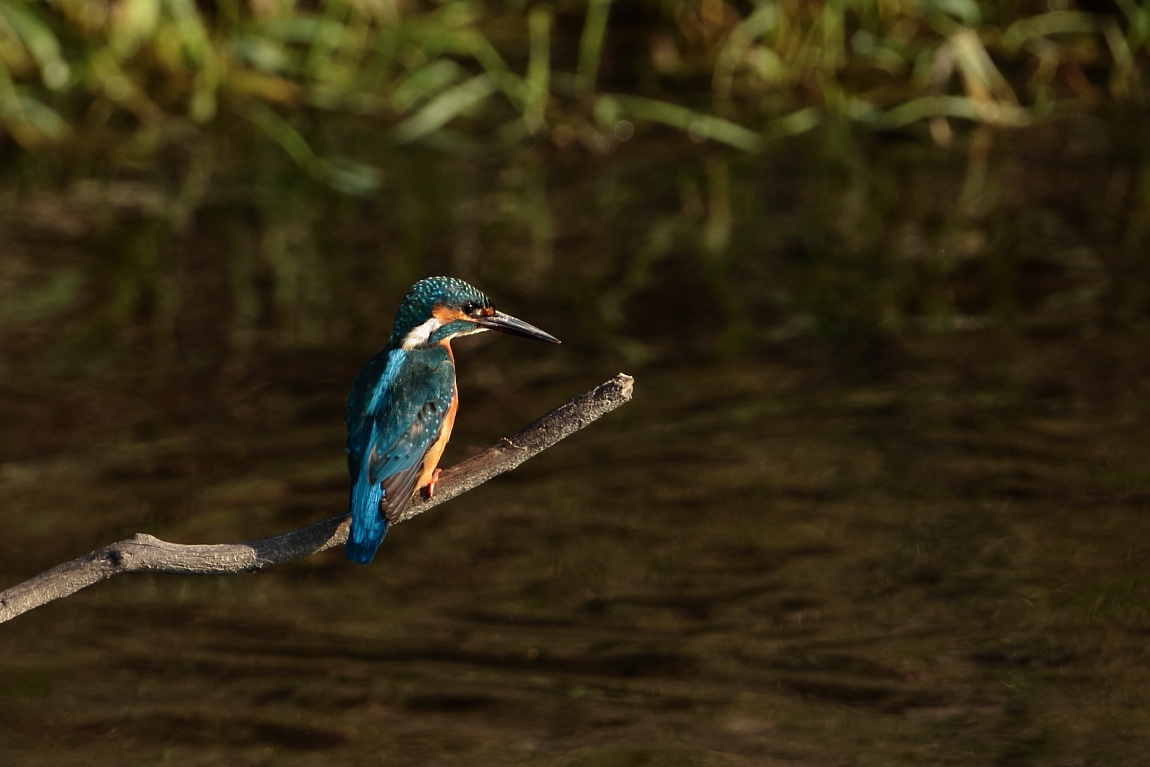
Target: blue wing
{"points": [[396, 410]]}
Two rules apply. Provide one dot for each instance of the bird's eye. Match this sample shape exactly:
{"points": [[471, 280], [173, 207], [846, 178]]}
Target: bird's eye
{"points": [[470, 308]]}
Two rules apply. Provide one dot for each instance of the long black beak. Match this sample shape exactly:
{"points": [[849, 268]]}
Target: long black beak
{"points": [[505, 323]]}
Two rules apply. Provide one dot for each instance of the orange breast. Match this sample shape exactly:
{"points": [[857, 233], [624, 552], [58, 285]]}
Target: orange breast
{"points": [[435, 452]]}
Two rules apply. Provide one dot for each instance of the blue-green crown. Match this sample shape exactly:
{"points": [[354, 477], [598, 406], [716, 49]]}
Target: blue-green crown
{"points": [[426, 295]]}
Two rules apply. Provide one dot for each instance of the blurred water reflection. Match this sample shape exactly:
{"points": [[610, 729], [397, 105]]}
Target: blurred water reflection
{"points": [[880, 497]]}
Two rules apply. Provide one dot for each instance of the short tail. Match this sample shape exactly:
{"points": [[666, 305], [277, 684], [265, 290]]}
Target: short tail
{"points": [[368, 525]]}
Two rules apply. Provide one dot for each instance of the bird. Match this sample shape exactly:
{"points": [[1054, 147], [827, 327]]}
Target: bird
{"points": [[402, 404]]}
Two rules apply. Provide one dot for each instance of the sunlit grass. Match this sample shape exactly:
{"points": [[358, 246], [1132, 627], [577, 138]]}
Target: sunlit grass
{"points": [[755, 74]]}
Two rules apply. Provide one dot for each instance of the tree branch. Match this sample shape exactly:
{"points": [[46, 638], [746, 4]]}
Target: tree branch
{"points": [[143, 552]]}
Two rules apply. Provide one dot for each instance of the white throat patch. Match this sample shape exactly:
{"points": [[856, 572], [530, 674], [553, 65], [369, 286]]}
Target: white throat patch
{"points": [[419, 335]]}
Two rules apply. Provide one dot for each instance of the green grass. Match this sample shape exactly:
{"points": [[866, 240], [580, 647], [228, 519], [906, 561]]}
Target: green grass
{"points": [[718, 71]]}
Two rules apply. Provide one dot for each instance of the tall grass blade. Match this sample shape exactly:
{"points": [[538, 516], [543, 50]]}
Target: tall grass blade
{"points": [[1054, 23], [195, 40], [700, 125], [917, 110], [40, 42], [345, 175], [538, 81], [443, 109], [591, 46], [425, 83]]}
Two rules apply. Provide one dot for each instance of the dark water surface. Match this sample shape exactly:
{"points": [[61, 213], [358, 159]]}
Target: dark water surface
{"points": [[881, 498]]}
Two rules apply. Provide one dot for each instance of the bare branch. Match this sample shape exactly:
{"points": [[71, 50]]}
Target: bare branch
{"points": [[146, 553]]}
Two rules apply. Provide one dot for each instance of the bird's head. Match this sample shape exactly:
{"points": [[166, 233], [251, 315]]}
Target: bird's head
{"points": [[438, 309]]}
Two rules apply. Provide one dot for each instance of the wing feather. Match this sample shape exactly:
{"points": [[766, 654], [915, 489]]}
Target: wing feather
{"points": [[392, 422]]}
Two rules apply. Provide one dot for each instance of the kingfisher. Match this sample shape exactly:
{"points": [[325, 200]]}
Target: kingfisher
{"points": [[403, 402]]}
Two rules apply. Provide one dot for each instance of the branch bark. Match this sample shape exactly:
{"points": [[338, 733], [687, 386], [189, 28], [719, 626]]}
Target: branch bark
{"points": [[146, 553]]}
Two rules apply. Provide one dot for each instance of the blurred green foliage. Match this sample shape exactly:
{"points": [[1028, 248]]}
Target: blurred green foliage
{"points": [[734, 72]]}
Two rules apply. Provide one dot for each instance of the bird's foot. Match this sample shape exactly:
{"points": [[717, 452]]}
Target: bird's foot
{"points": [[429, 488]]}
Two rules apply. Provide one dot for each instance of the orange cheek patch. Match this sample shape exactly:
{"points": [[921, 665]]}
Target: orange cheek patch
{"points": [[446, 315]]}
